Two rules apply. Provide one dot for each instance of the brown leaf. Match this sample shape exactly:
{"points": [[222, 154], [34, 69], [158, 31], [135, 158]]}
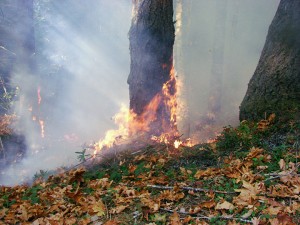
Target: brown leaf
{"points": [[175, 219], [112, 222], [282, 164], [247, 214], [208, 204], [255, 221], [195, 210], [118, 209], [224, 205], [285, 219]]}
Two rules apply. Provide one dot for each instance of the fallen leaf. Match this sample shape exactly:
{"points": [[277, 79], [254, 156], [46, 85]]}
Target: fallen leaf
{"points": [[282, 164], [247, 214], [224, 205], [118, 209], [175, 219], [111, 222], [255, 221], [160, 218], [285, 219], [99, 208], [209, 204]]}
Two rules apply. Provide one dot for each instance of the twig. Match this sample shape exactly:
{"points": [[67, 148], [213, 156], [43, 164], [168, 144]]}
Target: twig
{"points": [[190, 189], [206, 217], [281, 175]]}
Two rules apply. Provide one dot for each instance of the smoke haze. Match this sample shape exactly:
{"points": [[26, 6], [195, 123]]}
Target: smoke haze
{"points": [[82, 53]]}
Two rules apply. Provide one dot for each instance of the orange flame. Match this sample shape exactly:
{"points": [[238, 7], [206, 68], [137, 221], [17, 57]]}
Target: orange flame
{"points": [[130, 124]]}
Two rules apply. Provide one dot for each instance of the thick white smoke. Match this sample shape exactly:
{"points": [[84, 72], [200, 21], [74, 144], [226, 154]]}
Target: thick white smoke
{"points": [[83, 64]]}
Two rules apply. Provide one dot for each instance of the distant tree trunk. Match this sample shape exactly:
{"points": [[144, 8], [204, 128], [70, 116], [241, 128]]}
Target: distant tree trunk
{"points": [[216, 79], [17, 48], [151, 49], [275, 85], [17, 42]]}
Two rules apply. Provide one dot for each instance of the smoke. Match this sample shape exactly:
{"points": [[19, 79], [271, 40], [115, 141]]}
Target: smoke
{"points": [[82, 57], [205, 47], [82, 65]]}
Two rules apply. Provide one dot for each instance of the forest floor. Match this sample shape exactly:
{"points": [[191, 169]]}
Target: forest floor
{"points": [[248, 175]]}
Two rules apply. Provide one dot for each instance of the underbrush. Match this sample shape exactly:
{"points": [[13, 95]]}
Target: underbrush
{"points": [[249, 175]]}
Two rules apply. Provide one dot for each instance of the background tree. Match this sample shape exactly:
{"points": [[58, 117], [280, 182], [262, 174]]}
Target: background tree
{"points": [[151, 50], [17, 45], [275, 85], [17, 48]]}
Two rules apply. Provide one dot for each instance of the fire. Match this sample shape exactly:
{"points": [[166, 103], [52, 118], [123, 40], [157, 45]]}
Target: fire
{"points": [[177, 143], [130, 124], [42, 125], [170, 98]]}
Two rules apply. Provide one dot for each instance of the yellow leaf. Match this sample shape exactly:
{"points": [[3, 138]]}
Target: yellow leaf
{"points": [[99, 208]]}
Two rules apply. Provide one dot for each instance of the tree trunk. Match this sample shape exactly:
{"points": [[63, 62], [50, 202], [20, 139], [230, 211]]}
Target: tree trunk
{"points": [[151, 49], [17, 48], [17, 43], [275, 85]]}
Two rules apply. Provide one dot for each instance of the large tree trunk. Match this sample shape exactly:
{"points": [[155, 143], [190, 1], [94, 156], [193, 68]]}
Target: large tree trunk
{"points": [[151, 49], [275, 85]]}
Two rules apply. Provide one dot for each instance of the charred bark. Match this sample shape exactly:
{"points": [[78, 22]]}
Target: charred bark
{"points": [[151, 49], [275, 85]]}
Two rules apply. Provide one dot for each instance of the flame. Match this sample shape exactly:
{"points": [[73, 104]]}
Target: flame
{"points": [[170, 98], [177, 143], [42, 125], [130, 124]]}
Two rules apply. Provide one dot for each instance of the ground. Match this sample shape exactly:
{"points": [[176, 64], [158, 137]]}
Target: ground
{"points": [[248, 175]]}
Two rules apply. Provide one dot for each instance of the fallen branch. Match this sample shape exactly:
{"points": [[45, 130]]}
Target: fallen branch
{"points": [[190, 189], [206, 217], [281, 175]]}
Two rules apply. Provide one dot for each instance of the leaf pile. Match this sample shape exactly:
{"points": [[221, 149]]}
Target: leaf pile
{"points": [[156, 185]]}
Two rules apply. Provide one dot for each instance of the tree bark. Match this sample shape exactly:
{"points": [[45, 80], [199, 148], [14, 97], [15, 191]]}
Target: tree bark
{"points": [[275, 85], [151, 49]]}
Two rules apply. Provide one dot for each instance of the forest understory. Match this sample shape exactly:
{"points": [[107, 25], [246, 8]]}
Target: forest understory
{"points": [[248, 175]]}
